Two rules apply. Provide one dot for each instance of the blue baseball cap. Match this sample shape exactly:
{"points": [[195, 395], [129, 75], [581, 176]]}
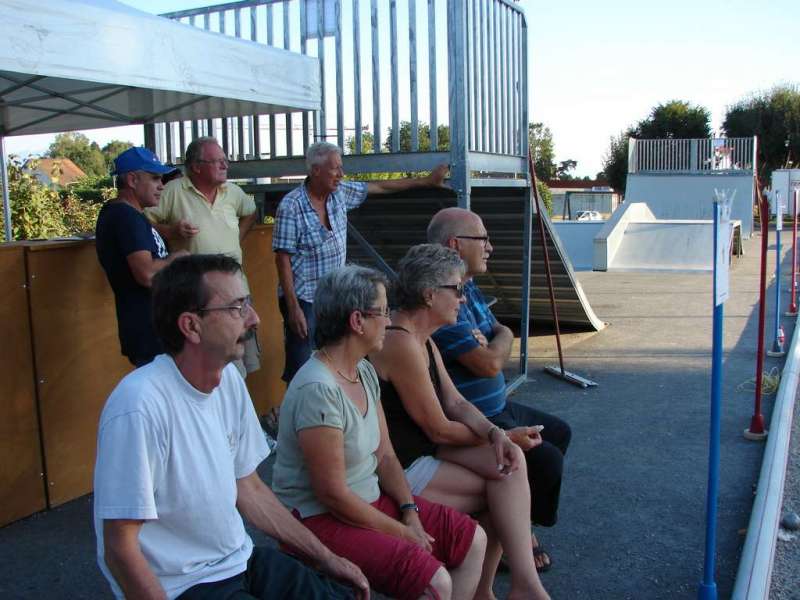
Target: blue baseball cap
{"points": [[139, 159]]}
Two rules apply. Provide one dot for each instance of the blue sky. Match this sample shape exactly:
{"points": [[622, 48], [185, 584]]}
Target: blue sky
{"points": [[597, 67]]}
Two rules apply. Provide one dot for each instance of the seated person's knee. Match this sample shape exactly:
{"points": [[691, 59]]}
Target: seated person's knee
{"points": [[442, 583]]}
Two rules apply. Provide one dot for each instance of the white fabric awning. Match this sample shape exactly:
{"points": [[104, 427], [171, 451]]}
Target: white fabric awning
{"points": [[83, 64]]}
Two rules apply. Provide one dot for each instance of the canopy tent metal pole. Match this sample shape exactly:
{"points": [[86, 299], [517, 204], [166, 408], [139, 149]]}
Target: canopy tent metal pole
{"points": [[6, 201]]}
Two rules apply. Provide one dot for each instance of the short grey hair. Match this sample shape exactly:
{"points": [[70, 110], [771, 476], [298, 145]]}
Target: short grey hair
{"points": [[424, 267], [318, 153], [447, 224], [195, 149], [339, 293]]}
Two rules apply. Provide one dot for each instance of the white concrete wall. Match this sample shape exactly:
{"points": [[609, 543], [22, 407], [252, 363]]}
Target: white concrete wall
{"points": [[677, 196], [577, 239], [608, 240]]}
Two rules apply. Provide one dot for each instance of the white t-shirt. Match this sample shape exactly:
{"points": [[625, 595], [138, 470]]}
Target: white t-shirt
{"points": [[170, 454]]}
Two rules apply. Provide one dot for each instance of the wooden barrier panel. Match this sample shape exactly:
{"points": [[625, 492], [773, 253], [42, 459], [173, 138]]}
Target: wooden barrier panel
{"points": [[22, 490], [78, 360], [265, 385]]}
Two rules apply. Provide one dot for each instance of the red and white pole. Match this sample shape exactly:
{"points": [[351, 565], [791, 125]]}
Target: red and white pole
{"points": [[792, 310]]}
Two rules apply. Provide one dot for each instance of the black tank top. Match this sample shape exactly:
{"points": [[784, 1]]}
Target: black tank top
{"points": [[408, 439]]}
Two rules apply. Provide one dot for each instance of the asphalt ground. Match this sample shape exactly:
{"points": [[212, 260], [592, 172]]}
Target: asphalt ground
{"points": [[632, 518]]}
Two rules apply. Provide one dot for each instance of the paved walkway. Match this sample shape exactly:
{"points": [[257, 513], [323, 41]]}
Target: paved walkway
{"points": [[632, 517]]}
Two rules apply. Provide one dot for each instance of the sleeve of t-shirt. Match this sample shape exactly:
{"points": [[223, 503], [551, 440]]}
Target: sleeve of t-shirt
{"points": [[252, 449], [133, 234], [129, 463], [455, 340], [285, 232], [354, 193], [247, 206], [319, 405]]}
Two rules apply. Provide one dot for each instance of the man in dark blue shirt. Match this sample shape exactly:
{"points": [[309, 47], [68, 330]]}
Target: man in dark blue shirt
{"points": [[131, 251], [474, 351]]}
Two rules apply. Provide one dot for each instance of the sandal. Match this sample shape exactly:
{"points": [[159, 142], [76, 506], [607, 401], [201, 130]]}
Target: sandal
{"points": [[538, 552]]}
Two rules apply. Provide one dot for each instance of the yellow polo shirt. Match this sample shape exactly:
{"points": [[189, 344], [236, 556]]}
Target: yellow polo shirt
{"points": [[218, 223]]}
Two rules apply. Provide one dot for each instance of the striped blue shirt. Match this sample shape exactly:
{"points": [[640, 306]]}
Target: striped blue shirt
{"points": [[488, 394]]}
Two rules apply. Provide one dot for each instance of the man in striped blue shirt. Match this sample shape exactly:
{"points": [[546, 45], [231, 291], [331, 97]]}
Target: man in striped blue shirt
{"points": [[474, 350]]}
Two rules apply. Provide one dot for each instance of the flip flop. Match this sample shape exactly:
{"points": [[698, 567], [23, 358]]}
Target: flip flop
{"points": [[538, 552]]}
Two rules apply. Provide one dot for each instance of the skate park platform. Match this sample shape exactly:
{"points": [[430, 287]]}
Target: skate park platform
{"points": [[634, 239]]}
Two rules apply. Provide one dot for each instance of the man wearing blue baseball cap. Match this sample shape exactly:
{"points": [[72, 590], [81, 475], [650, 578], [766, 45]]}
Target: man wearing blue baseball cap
{"points": [[131, 251]]}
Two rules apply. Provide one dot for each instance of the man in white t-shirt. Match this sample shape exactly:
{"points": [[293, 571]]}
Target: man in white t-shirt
{"points": [[177, 449]]}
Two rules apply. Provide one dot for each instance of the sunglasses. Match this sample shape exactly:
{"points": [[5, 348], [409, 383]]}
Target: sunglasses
{"points": [[458, 288]]}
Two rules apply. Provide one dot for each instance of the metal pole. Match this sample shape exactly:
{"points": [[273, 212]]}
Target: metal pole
{"points": [[777, 340], [708, 587], [792, 311], [6, 200], [756, 430]]}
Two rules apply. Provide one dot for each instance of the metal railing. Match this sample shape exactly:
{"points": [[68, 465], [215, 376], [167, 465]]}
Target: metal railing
{"points": [[391, 82], [704, 155]]}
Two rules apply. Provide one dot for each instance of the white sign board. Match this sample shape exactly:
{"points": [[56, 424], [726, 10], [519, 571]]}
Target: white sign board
{"points": [[723, 201], [780, 208], [312, 18]]}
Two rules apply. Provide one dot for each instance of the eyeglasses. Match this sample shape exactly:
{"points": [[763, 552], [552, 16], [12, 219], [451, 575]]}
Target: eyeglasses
{"points": [[458, 288], [242, 308], [223, 162], [482, 238], [376, 311]]}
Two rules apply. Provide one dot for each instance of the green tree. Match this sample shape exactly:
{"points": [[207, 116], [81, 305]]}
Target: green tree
{"points": [[424, 136], [564, 169], [545, 195], [615, 161], [39, 212], [773, 116], [80, 150], [540, 142], [674, 119], [113, 149]]}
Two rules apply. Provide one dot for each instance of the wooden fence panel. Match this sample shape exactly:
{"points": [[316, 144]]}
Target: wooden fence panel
{"points": [[78, 360], [265, 385], [22, 490]]}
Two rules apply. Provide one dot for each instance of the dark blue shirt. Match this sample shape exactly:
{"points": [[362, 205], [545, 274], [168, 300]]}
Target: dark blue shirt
{"points": [[488, 394], [122, 230]]}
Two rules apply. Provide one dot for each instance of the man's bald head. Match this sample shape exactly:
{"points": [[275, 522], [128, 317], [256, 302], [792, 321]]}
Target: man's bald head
{"points": [[450, 222]]}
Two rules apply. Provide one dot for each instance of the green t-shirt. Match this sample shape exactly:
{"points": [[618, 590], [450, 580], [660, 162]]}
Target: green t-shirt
{"points": [[315, 400]]}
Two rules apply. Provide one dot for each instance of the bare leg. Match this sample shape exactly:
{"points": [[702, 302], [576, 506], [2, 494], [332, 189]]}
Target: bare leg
{"points": [[465, 577], [441, 583], [509, 502], [460, 488]]}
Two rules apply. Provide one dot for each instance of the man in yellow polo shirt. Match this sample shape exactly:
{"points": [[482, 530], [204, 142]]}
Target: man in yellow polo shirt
{"points": [[206, 214]]}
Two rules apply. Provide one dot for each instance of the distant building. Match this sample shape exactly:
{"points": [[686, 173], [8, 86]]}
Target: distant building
{"points": [[55, 172], [571, 196]]}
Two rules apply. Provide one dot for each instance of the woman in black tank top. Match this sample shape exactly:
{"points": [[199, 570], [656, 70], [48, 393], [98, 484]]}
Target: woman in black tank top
{"points": [[481, 470]]}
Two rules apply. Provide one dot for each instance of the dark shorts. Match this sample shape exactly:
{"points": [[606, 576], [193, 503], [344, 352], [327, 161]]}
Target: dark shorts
{"points": [[297, 349], [271, 575], [396, 567], [545, 462]]}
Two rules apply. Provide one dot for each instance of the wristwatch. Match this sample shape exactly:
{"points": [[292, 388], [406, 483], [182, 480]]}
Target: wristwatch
{"points": [[409, 506]]}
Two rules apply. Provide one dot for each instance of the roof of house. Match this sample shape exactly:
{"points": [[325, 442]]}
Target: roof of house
{"points": [[575, 184], [69, 170]]}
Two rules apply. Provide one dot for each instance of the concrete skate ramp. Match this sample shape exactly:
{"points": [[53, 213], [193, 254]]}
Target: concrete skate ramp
{"points": [[577, 238], [666, 245], [684, 196]]}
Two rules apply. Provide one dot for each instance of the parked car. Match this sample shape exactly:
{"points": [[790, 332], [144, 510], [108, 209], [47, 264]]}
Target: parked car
{"points": [[588, 215]]}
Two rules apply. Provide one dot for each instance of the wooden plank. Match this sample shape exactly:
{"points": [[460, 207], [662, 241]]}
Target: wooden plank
{"points": [[77, 357], [22, 490], [339, 75], [265, 385]]}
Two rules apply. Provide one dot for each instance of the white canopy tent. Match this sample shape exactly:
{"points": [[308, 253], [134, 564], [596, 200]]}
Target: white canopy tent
{"points": [[67, 65]]}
